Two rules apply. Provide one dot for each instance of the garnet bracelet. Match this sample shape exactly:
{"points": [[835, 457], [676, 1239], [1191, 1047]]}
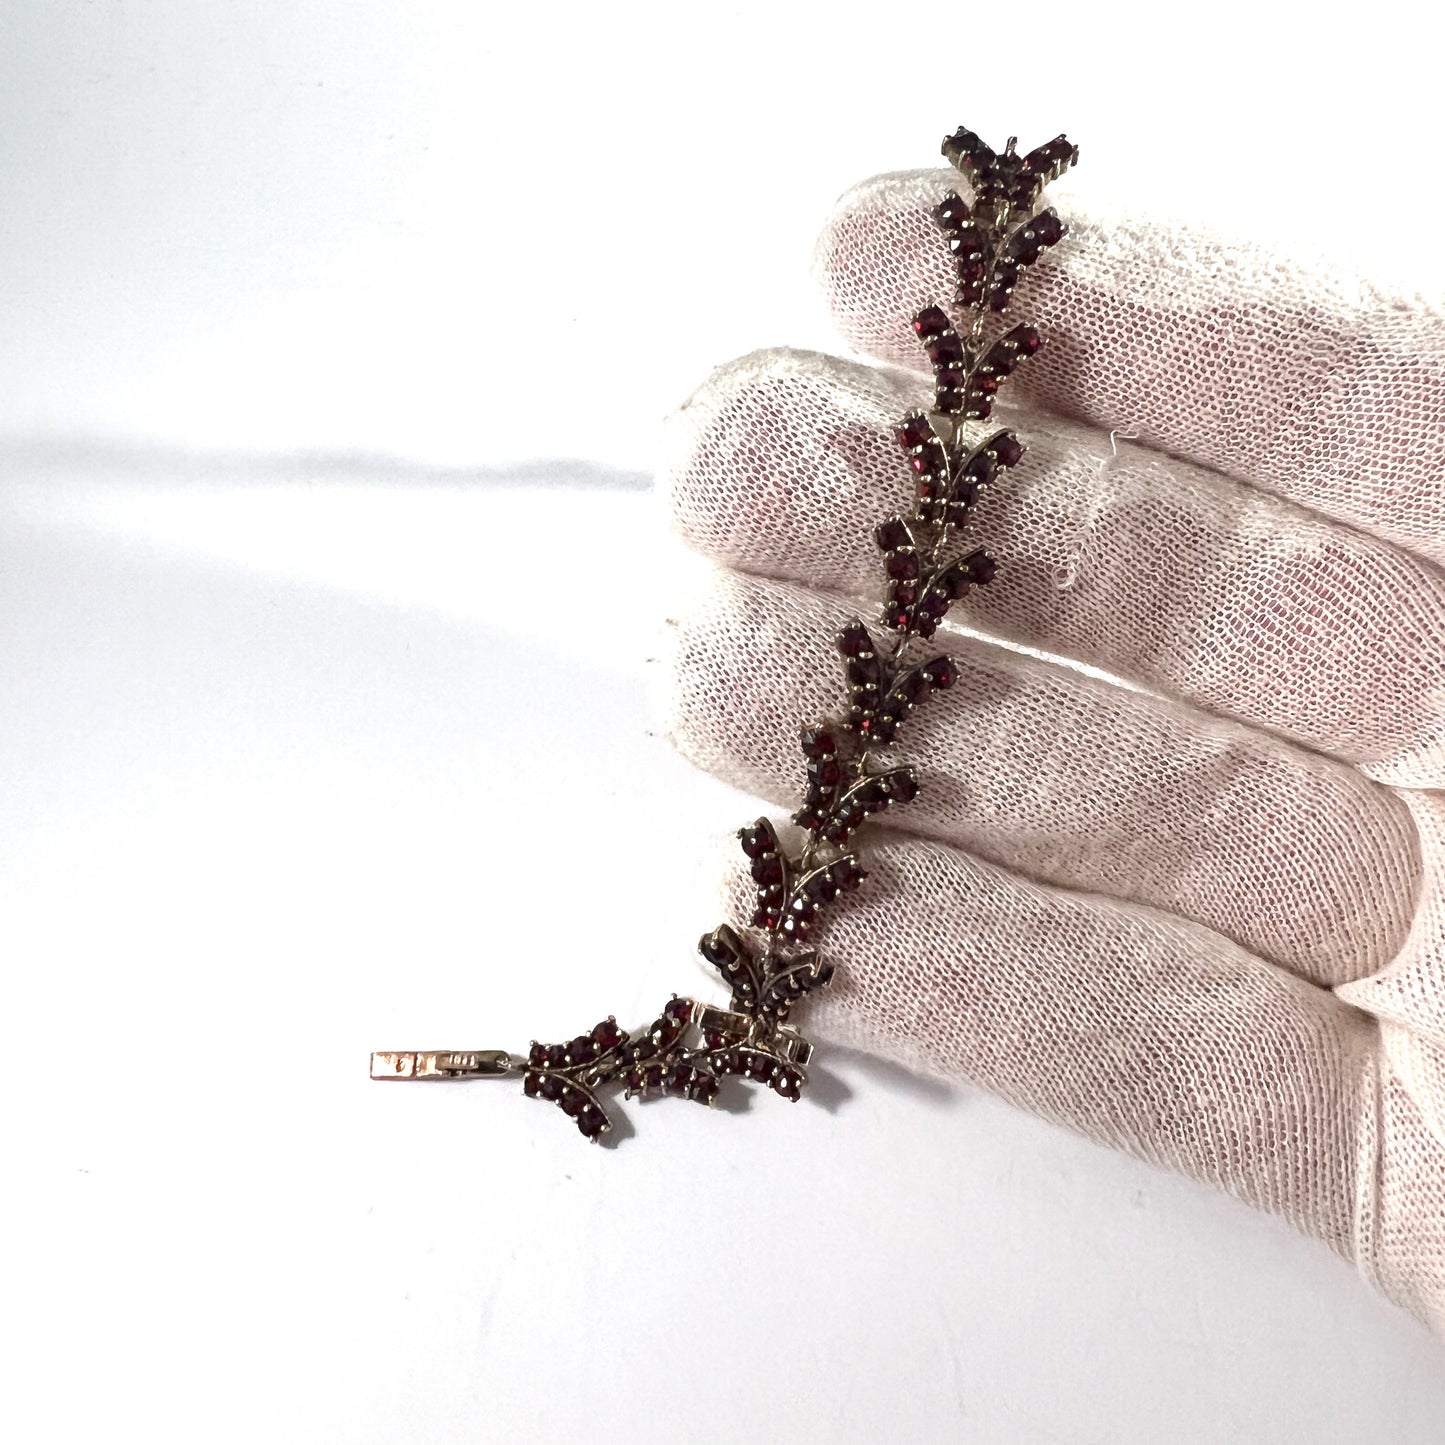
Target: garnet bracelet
{"points": [[691, 1046]]}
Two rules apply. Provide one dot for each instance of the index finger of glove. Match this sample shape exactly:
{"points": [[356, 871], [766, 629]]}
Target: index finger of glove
{"points": [[1177, 578], [1281, 370]]}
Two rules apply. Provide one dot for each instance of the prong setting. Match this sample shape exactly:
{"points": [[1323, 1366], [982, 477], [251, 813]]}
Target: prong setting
{"points": [[994, 233]]}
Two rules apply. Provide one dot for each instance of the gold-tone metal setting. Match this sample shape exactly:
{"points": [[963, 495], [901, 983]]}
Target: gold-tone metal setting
{"points": [[994, 229], [443, 1064]]}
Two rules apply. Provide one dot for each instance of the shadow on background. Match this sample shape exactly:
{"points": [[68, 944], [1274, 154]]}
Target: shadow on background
{"points": [[55, 458]]}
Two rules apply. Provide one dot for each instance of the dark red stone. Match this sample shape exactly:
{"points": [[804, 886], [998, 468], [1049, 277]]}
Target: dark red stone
{"points": [[767, 869], [932, 458], [1027, 339], [1024, 248], [1047, 228], [756, 840], [903, 566], [854, 641], [903, 786], [1007, 448], [914, 431], [896, 711], [1060, 152], [680, 1009], [822, 889], [951, 211], [966, 151], [828, 772], [944, 673], [581, 1051], [929, 322], [550, 1087], [607, 1034], [982, 569], [872, 798], [532, 1085], [573, 1102], [819, 742], [968, 242], [891, 535], [721, 947], [810, 816], [982, 467], [945, 350]]}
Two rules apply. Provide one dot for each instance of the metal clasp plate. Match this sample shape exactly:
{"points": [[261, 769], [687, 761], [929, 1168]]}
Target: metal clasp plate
{"points": [[442, 1064]]}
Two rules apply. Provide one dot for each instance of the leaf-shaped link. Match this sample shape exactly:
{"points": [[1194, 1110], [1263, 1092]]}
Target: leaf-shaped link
{"points": [[992, 236]]}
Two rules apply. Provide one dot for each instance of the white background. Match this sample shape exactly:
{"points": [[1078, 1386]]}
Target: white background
{"points": [[336, 340]]}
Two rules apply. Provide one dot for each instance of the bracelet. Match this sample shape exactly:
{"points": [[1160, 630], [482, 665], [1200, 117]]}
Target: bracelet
{"points": [[692, 1046]]}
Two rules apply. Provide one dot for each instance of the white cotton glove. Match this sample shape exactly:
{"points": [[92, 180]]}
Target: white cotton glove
{"points": [[1195, 910]]}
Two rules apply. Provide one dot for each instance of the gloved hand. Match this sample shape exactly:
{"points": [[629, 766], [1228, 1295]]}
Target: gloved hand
{"points": [[1190, 903]]}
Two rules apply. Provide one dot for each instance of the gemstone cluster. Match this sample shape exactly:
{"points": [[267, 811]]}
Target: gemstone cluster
{"points": [[687, 1051]]}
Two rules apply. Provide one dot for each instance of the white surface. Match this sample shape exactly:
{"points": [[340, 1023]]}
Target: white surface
{"points": [[280, 771], [473, 233], [266, 719]]}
